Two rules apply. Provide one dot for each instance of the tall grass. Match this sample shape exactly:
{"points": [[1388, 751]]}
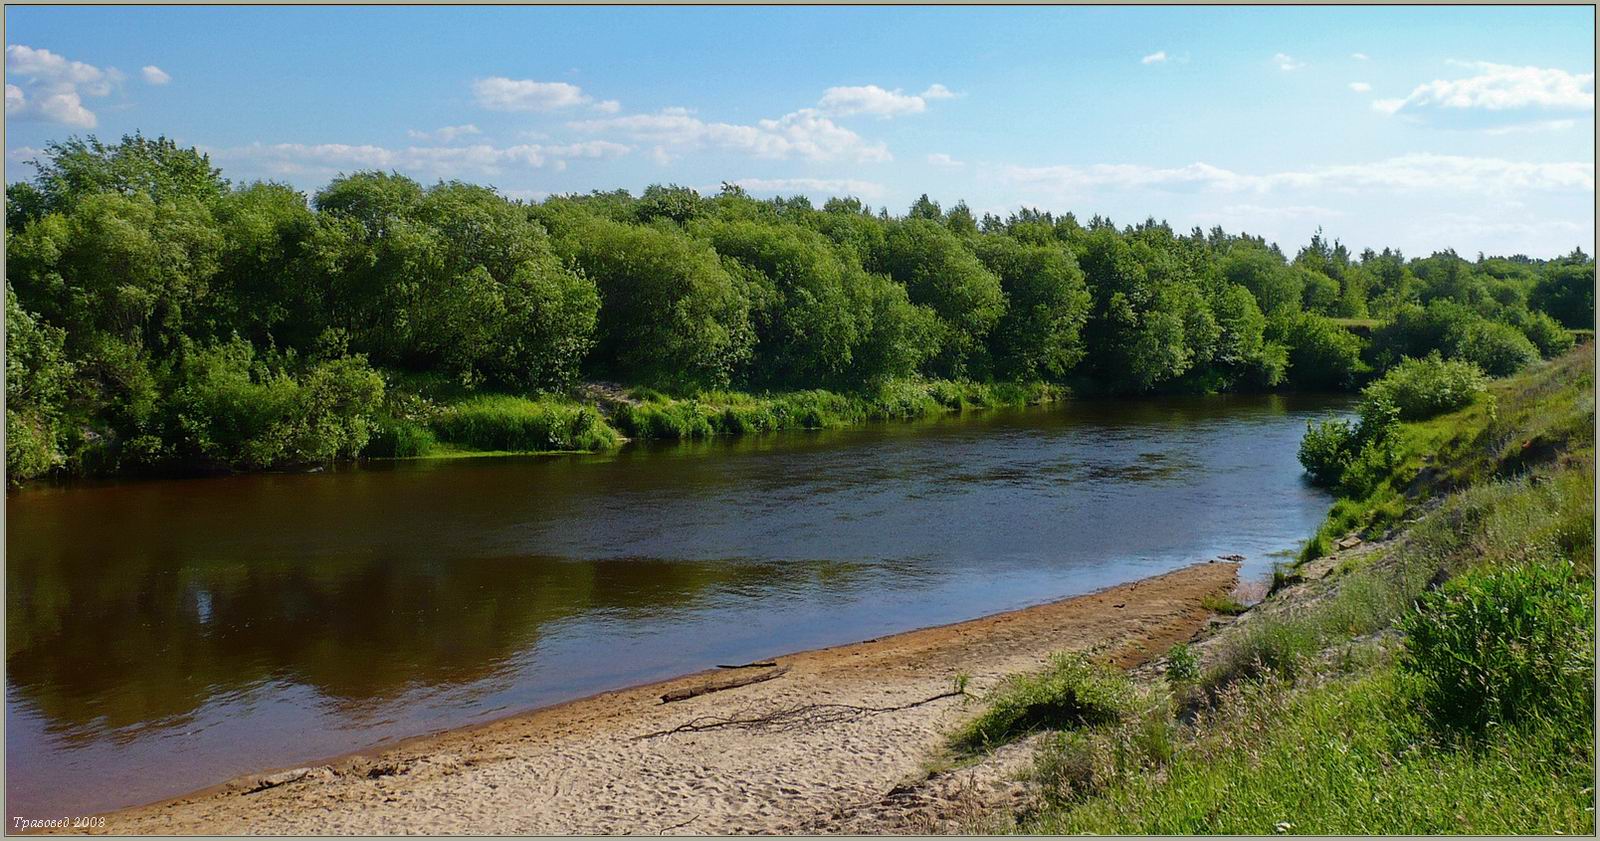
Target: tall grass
{"points": [[499, 422], [655, 415]]}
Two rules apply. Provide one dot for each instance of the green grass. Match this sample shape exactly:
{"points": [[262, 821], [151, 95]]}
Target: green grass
{"points": [[1345, 757], [500, 422], [1225, 605], [707, 413], [1073, 692], [1349, 713], [1521, 421]]}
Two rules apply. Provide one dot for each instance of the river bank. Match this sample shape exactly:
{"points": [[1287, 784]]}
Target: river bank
{"points": [[855, 722]]}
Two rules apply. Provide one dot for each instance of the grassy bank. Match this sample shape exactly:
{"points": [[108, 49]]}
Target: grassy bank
{"points": [[504, 423], [1439, 680]]}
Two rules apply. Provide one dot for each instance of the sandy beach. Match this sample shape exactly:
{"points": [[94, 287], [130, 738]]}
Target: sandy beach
{"points": [[840, 740]]}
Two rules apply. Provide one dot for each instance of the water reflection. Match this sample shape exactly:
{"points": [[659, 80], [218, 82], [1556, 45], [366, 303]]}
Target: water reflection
{"points": [[164, 635]]}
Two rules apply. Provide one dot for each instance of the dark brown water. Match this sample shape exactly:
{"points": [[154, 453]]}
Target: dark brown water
{"points": [[163, 636]]}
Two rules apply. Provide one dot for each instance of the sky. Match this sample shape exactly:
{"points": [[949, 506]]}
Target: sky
{"points": [[1421, 128]]}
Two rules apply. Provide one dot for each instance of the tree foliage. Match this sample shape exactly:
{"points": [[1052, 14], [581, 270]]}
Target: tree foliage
{"points": [[161, 318]]}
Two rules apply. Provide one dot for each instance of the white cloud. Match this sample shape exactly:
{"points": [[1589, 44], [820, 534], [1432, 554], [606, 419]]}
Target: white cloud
{"points": [[1500, 87], [441, 161], [609, 106], [497, 93], [155, 75], [446, 134], [877, 102], [1360, 87], [1409, 173], [1154, 58], [1287, 62], [814, 186], [806, 133], [1359, 56], [53, 87], [942, 159]]}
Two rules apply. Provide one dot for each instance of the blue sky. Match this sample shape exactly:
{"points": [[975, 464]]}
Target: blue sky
{"points": [[1420, 128]]}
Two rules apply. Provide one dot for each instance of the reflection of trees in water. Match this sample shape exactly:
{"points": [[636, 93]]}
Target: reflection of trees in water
{"points": [[138, 644]]}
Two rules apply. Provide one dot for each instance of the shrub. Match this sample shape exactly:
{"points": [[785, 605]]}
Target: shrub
{"points": [[1546, 333], [500, 422], [1321, 353], [1499, 349], [1422, 388], [1074, 692], [1326, 450], [1502, 646], [1182, 664], [233, 410]]}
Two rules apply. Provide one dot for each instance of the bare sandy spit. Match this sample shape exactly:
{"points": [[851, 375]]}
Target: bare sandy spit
{"points": [[592, 767]]}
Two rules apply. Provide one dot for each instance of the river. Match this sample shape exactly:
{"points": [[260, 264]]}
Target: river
{"points": [[162, 636]]}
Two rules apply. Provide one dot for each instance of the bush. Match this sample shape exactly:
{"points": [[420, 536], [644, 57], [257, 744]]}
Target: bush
{"points": [[1422, 388], [1074, 692], [233, 410], [500, 422], [1499, 349], [1326, 450], [1321, 353], [1547, 334], [1182, 664], [1503, 646]]}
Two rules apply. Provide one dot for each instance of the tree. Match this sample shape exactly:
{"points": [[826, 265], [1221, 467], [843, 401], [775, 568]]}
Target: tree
{"points": [[939, 272], [1040, 335]]}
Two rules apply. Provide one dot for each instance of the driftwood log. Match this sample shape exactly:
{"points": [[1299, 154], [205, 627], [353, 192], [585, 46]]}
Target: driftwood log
{"points": [[719, 685]]}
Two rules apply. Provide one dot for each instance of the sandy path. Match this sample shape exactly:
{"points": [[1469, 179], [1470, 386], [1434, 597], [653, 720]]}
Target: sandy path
{"points": [[579, 768]]}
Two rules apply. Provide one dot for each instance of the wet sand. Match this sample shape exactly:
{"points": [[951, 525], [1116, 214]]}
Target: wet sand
{"points": [[854, 731]]}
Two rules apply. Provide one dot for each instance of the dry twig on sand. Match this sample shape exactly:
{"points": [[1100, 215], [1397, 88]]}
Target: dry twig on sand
{"points": [[792, 718]]}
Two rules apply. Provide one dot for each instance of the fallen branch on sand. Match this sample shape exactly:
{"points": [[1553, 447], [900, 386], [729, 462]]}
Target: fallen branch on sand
{"points": [[793, 718], [719, 685]]}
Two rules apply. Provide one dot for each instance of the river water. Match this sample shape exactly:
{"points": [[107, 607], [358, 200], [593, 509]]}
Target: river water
{"points": [[162, 636]]}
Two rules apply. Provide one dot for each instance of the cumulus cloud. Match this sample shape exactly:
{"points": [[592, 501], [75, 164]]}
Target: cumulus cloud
{"points": [[445, 134], [609, 106], [498, 93], [1287, 62], [1154, 58], [942, 159], [1418, 173], [53, 87], [154, 75], [878, 102], [1360, 87], [807, 133], [1359, 56], [1499, 88], [443, 161], [813, 186]]}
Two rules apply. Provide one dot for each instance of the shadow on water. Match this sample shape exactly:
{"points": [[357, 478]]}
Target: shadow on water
{"points": [[164, 635]]}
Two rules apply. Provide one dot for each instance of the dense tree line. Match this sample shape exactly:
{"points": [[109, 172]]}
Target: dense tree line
{"points": [[160, 317]]}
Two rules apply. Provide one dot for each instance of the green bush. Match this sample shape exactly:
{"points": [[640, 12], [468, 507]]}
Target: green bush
{"points": [[1182, 664], [1073, 692], [1422, 388], [500, 422], [1546, 333], [1326, 450], [235, 411], [1502, 646], [1499, 349]]}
